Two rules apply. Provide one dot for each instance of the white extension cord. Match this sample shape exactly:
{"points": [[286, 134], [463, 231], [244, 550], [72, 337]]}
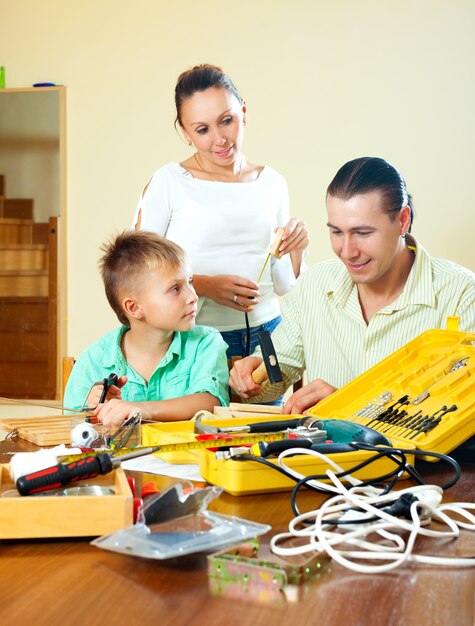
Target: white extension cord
{"points": [[385, 536]]}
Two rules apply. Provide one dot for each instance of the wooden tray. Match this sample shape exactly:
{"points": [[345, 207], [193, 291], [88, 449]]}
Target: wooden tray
{"points": [[49, 430], [39, 516]]}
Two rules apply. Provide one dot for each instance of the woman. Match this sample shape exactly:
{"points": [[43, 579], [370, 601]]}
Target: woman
{"points": [[224, 210]]}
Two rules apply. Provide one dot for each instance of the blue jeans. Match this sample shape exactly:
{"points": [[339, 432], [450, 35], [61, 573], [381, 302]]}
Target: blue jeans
{"points": [[236, 340]]}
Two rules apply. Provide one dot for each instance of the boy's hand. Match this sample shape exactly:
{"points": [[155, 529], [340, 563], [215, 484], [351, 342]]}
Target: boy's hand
{"points": [[114, 392], [240, 377], [114, 412]]}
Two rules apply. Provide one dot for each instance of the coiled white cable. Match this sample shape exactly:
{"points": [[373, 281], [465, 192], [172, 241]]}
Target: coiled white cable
{"points": [[379, 538]]}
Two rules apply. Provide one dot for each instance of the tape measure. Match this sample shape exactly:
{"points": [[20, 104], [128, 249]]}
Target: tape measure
{"points": [[221, 441]]}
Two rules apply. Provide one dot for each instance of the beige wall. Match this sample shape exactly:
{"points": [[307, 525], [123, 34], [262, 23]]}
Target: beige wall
{"points": [[325, 81], [29, 149]]}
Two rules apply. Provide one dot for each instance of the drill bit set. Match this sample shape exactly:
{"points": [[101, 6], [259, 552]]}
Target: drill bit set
{"points": [[423, 394]]}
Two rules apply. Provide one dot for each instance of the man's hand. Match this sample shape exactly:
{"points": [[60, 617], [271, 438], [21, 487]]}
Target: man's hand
{"points": [[307, 397], [112, 393], [240, 378]]}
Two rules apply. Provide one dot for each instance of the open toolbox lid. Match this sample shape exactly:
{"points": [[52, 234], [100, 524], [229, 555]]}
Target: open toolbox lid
{"points": [[436, 371]]}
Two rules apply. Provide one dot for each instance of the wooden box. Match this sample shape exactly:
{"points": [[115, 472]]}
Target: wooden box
{"points": [[42, 516]]}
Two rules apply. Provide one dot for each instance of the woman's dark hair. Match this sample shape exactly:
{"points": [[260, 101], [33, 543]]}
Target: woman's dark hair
{"points": [[368, 174], [200, 78]]}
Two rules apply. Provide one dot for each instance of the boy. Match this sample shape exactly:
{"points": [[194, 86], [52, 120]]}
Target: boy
{"points": [[168, 368]]}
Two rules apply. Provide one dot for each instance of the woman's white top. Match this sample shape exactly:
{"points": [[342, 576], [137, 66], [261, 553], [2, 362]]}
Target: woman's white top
{"points": [[226, 228]]}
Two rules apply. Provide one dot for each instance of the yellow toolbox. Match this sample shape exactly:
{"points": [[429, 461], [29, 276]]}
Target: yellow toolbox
{"points": [[247, 477], [434, 374], [436, 371]]}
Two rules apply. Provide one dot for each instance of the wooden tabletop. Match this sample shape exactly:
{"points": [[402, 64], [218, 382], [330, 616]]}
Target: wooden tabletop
{"points": [[71, 582]]}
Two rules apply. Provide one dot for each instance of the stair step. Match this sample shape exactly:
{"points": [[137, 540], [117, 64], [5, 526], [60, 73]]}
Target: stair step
{"points": [[20, 208], [15, 230], [23, 256], [40, 232], [23, 283], [2, 185]]}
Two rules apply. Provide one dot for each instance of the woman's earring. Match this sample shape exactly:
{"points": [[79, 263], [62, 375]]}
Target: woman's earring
{"points": [[189, 142]]}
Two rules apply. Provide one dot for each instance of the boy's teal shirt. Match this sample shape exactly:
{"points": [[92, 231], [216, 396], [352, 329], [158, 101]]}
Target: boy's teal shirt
{"points": [[195, 362]]}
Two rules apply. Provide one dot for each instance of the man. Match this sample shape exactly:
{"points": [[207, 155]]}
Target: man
{"points": [[347, 314]]}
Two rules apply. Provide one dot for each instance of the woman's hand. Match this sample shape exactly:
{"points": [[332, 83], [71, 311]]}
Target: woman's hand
{"points": [[294, 241], [235, 292]]}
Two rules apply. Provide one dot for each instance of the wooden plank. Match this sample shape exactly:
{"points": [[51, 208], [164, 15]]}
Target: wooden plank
{"points": [[20, 208], [23, 256], [67, 366], [15, 231], [43, 431], [24, 283], [40, 232], [24, 346], [237, 409], [255, 408], [52, 382], [23, 314]]}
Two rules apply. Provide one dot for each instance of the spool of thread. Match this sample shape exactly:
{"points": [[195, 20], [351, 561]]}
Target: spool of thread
{"points": [[82, 435]]}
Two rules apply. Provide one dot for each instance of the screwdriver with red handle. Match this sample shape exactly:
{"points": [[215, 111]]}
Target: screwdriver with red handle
{"points": [[84, 468]]}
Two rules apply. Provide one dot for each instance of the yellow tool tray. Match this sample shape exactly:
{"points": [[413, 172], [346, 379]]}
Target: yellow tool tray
{"points": [[422, 365], [248, 477]]}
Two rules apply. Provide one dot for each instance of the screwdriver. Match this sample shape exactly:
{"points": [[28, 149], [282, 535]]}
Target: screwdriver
{"points": [[86, 467]]}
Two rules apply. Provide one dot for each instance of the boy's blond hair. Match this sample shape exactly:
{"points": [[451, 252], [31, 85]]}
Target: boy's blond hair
{"points": [[129, 257]]}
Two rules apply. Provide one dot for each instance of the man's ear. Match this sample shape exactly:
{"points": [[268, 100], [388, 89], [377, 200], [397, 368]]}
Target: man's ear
{"points": [[405, 219], [132, 308]]}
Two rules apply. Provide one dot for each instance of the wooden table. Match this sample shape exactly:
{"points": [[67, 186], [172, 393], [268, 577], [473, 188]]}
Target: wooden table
{"points": [[70, 582]]}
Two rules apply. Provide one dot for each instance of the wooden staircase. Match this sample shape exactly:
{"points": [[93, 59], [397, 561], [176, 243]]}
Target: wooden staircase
{"points": [[28, 301]]}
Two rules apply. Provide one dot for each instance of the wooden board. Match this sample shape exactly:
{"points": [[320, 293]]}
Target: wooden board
{"points": [[236, 409], [43, 431]]}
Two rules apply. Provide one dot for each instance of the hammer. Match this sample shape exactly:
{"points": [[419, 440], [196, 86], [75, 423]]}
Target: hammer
{"points": [[270, 367]]}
